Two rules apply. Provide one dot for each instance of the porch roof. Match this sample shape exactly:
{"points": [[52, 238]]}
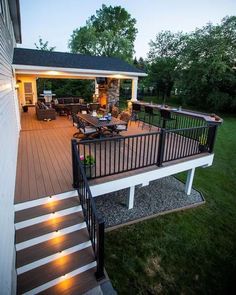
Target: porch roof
{"points": [[33, 60]]}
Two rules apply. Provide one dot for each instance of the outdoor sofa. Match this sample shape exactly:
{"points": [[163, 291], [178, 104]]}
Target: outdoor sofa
{"points": [[44, 112]]}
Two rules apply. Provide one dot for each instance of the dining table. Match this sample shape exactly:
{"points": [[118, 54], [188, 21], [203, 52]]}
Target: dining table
{"points": [[102, 123]]}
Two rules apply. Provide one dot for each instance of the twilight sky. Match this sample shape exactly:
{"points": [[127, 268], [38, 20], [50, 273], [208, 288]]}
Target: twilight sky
{"points": [[55, 20]]}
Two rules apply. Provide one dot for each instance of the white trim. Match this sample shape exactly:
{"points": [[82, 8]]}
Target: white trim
{"points": [[143, 178], [42, 201], [61, 279], [56, 214], [53, 257], [134, 89], [52, 235], [24, 69]]}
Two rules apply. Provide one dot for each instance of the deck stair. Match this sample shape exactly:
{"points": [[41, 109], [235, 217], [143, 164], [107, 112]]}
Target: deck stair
{"points": [[53, 250]]}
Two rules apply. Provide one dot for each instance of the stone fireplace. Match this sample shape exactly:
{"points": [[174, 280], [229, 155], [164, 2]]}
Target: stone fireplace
{"points": [[108, 93]]}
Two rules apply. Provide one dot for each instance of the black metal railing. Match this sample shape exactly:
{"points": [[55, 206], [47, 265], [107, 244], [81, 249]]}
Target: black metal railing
{"points": [[182, 121], [95, 223], [120, 154], [182, 143], [175, 120]]}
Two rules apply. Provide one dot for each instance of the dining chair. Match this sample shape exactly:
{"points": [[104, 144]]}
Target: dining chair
{"points": [[124, 116], [83, 128]]}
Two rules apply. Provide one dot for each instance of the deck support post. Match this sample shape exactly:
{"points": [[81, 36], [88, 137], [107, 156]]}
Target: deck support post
{"points": [[189, 182], [130, 200], [134, 89]]}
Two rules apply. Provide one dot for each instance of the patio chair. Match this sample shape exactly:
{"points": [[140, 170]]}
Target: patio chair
{"points": [[94, 107], [115, 112], [165, 118], [150, 115], [85, 130], [83, 108], [124, 116]]}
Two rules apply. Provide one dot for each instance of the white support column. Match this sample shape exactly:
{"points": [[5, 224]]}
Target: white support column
{"points": [[130, 200], [134, 89], [96, 91], [189, 182]]}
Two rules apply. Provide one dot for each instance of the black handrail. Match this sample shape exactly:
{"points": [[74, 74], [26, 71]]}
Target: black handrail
{"points": [[95, 223]]}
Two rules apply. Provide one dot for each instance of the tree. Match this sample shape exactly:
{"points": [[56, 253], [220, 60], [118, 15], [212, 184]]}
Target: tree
{"points": [[208, 76], [43, 45], [163, 57], [111, 32], [167, 44]]}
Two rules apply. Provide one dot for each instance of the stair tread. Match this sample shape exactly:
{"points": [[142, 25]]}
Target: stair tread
{"points": [[50, 247], [52, 270], [74, 286], [52, 206], [48, 226]]}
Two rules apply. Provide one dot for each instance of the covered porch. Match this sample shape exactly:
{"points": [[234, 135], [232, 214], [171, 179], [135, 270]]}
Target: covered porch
{"points": [[106, 73]]}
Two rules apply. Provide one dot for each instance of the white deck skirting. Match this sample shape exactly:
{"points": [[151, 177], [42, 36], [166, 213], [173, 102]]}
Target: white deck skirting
{"points": [[144, 178]]}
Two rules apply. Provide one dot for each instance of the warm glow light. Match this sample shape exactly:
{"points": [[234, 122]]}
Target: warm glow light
{"points": [[54, 73], [118, 76], [50, 199]]}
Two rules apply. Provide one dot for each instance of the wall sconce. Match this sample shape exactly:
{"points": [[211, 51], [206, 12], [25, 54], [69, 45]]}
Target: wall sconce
{"points": [[17, 86]]}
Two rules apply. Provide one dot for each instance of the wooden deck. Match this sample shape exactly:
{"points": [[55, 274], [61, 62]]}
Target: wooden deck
{"points": [[44, 156]]}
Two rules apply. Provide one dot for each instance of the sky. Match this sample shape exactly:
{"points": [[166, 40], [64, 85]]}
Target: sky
{"points": [[55, 20]]}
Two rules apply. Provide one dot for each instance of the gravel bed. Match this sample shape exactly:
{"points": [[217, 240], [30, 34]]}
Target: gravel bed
{"points": [[159, 196]]}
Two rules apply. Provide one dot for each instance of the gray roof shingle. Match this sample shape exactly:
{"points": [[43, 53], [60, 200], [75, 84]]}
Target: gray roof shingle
{"points": [[34, 57]]}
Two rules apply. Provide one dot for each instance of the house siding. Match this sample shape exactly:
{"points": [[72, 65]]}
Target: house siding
{"points": [[9, 133]]}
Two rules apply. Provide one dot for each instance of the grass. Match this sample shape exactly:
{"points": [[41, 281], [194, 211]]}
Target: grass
{"points": [[190, 252]]}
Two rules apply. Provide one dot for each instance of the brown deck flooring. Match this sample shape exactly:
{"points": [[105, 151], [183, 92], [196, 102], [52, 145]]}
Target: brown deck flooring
{"points": [[44, 156]]}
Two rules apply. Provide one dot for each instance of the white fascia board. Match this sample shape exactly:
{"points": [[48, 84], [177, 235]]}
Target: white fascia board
{"points": [[22, 69], [146, 177]]}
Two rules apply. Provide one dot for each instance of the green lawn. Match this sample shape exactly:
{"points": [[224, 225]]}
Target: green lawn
{"points": [[190, 252]]}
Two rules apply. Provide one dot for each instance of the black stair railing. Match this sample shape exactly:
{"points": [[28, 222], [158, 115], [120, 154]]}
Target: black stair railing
{"points": [[95, 223]]}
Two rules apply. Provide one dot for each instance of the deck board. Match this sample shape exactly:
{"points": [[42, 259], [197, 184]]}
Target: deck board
{"points": [[44, 157]]}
